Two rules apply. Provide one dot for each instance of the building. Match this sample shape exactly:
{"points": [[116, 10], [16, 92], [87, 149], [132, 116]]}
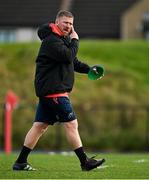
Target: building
{"points": [[135, 21], [19, 20]]}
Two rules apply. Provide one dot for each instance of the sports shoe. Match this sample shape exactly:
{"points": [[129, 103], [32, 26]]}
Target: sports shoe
{"points": [[22, 167], [91, 163]]}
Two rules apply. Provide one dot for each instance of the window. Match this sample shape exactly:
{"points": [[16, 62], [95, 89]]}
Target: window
{"points": [[7, 36]]}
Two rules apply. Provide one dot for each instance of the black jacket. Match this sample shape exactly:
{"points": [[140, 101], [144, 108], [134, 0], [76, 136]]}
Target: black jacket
{"points": [[56, 63]]}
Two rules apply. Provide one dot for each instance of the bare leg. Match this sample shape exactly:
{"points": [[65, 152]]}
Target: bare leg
{"points": [[72, 134], [74, 140], [34, 134], [31, 140]]}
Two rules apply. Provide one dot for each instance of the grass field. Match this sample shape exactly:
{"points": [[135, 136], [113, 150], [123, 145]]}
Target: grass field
{"points": [[58, 166]]}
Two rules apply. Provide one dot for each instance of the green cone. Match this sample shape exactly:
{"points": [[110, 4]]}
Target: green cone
{"points": [[96, 72]]}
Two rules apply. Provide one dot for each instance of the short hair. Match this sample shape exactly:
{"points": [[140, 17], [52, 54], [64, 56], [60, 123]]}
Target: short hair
{"points": [[62, 13]]}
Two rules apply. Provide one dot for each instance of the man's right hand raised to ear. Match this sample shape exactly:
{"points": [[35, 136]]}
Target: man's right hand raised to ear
{"points": [[74, 34]]}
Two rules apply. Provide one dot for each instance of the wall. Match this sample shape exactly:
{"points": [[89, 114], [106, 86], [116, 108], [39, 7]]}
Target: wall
{"points": [[18, 35], [131, 22], [26, 35]]}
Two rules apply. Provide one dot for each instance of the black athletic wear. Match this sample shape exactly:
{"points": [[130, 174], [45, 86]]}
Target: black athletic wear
{"points": [[56, 63], [23, 167], [91, 163], [52, 110]]}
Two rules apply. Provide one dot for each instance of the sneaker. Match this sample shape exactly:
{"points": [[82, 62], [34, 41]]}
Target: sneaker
{"points": [[22, 167], [91, 163]]}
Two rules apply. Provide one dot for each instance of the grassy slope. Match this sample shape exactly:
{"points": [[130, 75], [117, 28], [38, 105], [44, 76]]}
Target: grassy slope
{"points": [[126, 77], [17, 69], [125, 81], [117, 166]]}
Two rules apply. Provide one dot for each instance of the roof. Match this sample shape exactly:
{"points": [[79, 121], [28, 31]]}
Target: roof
{"points": [[100, 18], [93, 18], [27, 12]]}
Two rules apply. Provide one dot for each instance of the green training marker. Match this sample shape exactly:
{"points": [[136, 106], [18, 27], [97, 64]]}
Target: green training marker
{"points": [[96, 72]]}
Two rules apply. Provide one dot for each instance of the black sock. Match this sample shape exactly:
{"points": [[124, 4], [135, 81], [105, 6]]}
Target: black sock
{"points": [[81, 154], [23, 155]]}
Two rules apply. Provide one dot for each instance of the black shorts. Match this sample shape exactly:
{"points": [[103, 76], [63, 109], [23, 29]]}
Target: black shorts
{"points": [[52, 110]]}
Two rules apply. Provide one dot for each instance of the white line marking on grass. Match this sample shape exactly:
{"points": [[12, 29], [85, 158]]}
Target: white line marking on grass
{"points": [[104, 166], [140, 161], [64, 153]]}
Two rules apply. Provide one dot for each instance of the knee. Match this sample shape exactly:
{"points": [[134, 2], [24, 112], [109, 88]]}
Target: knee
{"points": [[40, 127], [72, 125]]}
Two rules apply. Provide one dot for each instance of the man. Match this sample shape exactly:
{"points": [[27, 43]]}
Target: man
{"points": [[54, 78]]}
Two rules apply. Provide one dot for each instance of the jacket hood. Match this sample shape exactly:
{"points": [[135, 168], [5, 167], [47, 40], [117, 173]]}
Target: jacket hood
{"points": [[46, 29]]}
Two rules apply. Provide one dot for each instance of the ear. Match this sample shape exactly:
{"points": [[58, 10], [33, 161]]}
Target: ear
{"points": [[56, 22]]}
